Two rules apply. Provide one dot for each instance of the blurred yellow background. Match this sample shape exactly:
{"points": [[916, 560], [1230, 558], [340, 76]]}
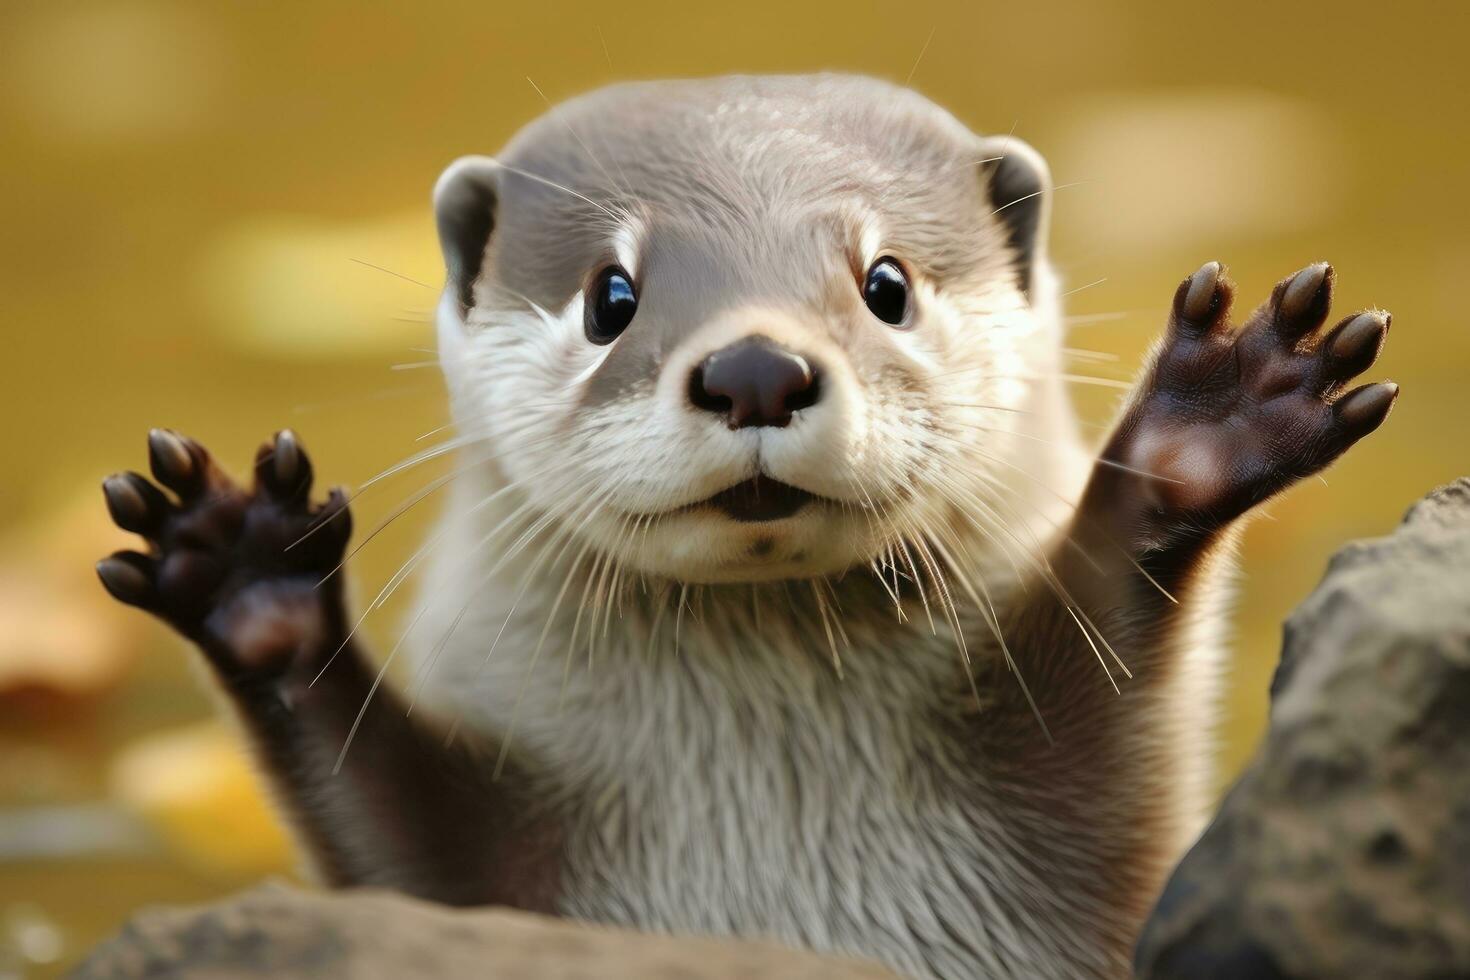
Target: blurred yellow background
{"points": [[199, 200]]}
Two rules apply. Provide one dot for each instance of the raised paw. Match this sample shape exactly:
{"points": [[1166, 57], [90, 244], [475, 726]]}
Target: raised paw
{"points": [[250, 576], [1227, 417]]}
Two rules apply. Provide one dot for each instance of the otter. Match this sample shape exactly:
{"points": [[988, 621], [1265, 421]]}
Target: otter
{"points": [[776, 593]]}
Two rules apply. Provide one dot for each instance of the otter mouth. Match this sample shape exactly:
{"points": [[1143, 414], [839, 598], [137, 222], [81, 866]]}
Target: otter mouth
{"points": [[760, 499]]}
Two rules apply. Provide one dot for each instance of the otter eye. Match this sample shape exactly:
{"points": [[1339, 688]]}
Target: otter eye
{"points": [[611, 306], [886, 291]]}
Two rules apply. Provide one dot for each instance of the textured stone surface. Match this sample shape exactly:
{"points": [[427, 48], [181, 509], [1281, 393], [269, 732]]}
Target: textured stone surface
{"points": [[1344, 851], [288, 934]]}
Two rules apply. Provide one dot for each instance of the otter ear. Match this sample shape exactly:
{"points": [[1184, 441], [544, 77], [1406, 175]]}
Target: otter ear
{"points": [[1019, 183], [465, 198]]}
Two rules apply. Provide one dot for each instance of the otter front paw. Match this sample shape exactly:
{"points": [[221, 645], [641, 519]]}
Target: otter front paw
{"points": [[251, 577], [1225, 418]]}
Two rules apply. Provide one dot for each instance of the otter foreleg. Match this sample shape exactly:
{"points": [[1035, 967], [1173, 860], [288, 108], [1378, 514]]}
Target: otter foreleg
{"points": [[1090, 733], [253, 578], [1222, 420]]}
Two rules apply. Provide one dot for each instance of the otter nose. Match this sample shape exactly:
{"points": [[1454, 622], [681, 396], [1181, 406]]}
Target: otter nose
{"points": [[753, 382]]}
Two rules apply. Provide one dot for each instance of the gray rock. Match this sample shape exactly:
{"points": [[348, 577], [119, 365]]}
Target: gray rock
{"points": [[287, 934], [1344, 850]]}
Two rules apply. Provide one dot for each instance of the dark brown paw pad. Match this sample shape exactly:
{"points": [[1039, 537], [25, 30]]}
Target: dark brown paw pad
{"points": [[1228, 416], [212, 542]]}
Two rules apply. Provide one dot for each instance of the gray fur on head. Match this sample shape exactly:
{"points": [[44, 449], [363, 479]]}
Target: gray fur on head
{"points": [[744, 206]]}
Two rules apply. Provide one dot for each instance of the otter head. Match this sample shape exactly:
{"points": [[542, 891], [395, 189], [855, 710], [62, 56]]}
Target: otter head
{"points": [[746, 329]]}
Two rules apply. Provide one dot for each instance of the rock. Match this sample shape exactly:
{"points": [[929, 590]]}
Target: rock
{"points": [[1344, 850], [285, 934]]}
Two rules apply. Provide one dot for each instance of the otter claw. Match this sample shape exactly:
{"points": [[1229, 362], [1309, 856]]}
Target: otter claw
{"points": [[171, 461], [124, 575], [1360, 338], [283, 468], [130, 502], [1363, 409], [1199, 297], [1304, 299], [287, 458]]}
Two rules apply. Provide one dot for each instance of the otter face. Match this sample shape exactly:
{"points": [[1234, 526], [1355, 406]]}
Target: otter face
{"points": [[746, 329]]}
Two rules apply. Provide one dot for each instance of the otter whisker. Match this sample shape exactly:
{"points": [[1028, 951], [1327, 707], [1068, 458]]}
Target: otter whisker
{"points": [[1049, 577], [383, 595], [396, 275], [679, 616], [901, 541], [1035, 194], [873, 515], [372, 690], [1035, 481], [1044, 569], [993, 622], [590, 507], [662, 608], [404, 507], [605, 52], [1091, 355], [827, 626], [468, 440], [535, 657], [566, 671], [1073, 613], [922, 51], [1113, 464], [407, 568], [1081, 379], [1085, 318], [623, 188], [516, 514], [423, 678], [560, 187], [1078, 289], [510, 614]]}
